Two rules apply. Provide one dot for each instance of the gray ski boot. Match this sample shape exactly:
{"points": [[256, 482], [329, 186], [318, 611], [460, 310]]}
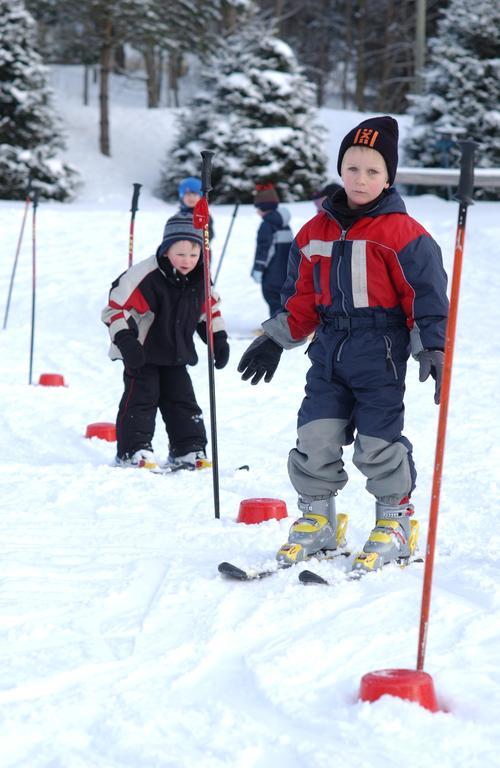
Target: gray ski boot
{"points": [[394, 537], [319, 529]]}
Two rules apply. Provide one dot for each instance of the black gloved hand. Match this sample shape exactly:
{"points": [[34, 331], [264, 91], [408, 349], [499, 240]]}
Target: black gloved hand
{"points": [[221, 349], [201, 330], [131, 349], [262, 357], [431, 364]]}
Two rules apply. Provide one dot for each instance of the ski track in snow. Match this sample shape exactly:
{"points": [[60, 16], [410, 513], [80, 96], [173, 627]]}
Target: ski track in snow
{"points": [[120, 643]]}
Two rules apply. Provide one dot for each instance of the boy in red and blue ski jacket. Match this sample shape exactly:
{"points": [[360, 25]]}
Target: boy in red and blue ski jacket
{"points": [[368, 280]]}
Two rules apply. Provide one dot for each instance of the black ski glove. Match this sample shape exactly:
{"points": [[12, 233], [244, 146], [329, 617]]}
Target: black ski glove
{"points": [[431, 364], [221, 349], [262, 357], [201, 330], [131, 349]]}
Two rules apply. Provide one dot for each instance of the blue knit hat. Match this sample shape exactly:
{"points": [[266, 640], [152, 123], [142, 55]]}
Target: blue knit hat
{"points": [[189, 184], [180, 227]]}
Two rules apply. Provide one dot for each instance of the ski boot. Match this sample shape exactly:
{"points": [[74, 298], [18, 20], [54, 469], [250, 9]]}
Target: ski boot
{"points": [[144, 458], [394, 538], [190, 461], [319, 529]]}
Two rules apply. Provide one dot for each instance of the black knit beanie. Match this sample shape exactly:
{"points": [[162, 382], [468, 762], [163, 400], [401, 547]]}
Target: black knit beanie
{"points": [[180, 227], [380, 133]]}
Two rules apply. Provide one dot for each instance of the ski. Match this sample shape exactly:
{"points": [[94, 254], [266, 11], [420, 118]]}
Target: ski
{"points": [[310, 577], [170, 469], [231, 571]]}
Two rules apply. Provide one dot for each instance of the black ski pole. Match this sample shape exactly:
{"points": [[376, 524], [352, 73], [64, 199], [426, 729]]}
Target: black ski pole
{"points": [[219, 265], [134, 208], [18, 249], [201, 217], [33, 283]]}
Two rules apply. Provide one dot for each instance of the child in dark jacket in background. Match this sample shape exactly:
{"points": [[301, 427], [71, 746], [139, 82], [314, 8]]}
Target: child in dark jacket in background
{"points": [[274, 239], [154, 308], [369, 281]]}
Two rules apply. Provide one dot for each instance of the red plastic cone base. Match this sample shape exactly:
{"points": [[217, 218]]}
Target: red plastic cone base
{"points": [[104, 430], [410, 684], [257, 510], [51, 380]]}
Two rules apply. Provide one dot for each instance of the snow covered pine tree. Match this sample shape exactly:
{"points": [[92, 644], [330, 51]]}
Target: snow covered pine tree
{"points": [[255, 109], [30, 134], [462, 88]]}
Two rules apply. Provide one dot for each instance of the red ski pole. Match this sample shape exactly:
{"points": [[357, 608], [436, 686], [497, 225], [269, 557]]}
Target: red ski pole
{"points": [[464, 196], [201, 216], [18, 249], [134, 208]]}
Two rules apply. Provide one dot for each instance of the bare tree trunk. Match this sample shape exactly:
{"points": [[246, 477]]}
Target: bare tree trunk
{"points": [[386, 67], [278, 14], [322, 64], [229, 17], [360, 57], [174, 68], [86, 85], [151, 76], [119, 58], [106, 57], [347, 58], [159, 77]]}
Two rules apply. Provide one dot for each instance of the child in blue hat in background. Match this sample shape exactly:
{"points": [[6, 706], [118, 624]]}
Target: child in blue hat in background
{"points": [[189, 193]]}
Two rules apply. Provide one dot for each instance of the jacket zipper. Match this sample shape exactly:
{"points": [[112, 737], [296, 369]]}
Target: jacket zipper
{"points": [[343, 233]]}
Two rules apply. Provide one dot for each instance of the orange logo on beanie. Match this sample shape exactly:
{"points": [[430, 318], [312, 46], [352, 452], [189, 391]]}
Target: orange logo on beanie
{"points": [[366, 136]]}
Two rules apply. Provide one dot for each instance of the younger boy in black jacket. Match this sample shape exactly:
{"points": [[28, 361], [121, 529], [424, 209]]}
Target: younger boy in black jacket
{"points": [[154, 308]]}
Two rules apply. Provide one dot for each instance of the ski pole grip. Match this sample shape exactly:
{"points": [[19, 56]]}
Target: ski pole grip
{"points": [[464, 193], [135, 197], [29, 186], [206, 170], [36, 194]]}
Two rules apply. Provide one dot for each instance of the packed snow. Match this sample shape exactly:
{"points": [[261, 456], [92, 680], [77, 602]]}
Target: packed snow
{"points": [[121, 644]]}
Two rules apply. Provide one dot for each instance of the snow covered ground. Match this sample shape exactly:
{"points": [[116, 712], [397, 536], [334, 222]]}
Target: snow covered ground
{"points": [[120, 643]]}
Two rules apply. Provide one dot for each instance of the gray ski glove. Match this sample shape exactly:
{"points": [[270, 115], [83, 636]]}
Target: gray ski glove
{"points": [[261, 358], [431, 364]]}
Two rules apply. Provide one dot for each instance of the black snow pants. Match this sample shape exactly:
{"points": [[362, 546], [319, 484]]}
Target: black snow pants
{"points": [[170, 389]]}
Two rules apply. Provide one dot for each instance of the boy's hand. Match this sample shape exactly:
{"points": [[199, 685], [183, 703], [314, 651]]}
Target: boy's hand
{"points": [[431, 364], [221, 349], [256, 275], [131, 349], [261, 358]]}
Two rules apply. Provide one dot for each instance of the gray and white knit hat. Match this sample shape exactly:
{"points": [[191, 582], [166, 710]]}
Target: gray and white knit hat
{"points": [[180, 227]]}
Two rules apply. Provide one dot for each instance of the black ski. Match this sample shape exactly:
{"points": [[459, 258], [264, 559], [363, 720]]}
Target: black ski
{"points": [[233, 572], [239, 574], [309, 577]]}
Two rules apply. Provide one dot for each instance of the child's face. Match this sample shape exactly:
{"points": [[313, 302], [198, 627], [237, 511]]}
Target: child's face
{"points": [[190, 199], [364, 174], [184, 256], [261, 213]]}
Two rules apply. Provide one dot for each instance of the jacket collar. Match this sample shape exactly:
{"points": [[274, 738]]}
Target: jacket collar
{"points": [[390, 201]]}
